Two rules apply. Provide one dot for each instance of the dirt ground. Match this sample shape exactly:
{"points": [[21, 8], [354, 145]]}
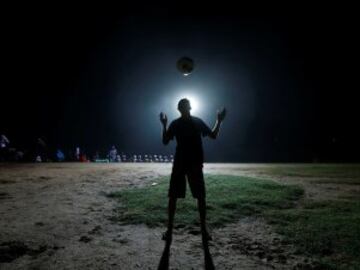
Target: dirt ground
{"points": [[56, 216]]}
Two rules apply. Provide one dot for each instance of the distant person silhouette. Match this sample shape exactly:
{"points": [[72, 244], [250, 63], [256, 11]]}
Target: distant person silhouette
{"points": [[4, 146], [188, 160]]}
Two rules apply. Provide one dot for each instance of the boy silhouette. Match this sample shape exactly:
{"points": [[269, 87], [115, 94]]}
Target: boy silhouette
{"points": [[188, 160]]}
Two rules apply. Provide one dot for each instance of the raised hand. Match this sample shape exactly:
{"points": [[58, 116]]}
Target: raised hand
{"points": [[163, 118], [221, 114]]}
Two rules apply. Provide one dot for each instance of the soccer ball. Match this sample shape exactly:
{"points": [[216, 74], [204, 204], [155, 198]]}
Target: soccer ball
{"points": [[185, 65]]}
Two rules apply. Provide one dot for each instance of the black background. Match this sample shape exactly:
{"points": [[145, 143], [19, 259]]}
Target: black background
{"points": [[94, 77]]}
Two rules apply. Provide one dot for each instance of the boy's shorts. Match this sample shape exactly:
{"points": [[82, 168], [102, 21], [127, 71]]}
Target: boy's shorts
{"points": [[195, 177]]}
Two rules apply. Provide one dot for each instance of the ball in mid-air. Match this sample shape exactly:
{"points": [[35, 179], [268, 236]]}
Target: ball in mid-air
{"points": [[185, 65]]}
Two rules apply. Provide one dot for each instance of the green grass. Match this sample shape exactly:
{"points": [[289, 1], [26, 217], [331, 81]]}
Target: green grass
{"points": [[337, 172], [328, 229], [341, 181], [228, 199]]}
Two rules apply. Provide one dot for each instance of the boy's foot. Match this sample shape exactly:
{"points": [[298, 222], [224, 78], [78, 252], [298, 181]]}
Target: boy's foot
{"points": [[167, 236], [206, 236]]}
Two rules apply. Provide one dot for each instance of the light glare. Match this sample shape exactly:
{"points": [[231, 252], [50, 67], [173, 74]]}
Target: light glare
{"points": [[194, 102]]}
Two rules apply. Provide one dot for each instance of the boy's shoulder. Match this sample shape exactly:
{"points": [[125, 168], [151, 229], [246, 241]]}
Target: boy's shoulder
{"points": [[180, 120], [175, 121], [196, 119]]}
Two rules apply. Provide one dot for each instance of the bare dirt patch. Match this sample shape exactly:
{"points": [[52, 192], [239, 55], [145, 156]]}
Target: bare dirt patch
{"points": [[62, 207]]}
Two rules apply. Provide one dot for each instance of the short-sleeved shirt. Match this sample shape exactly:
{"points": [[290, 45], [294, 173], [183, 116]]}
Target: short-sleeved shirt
{"points": [[188, 132]]}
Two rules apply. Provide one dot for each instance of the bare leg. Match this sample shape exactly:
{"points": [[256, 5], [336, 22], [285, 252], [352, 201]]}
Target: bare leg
{"points": [[171, 213], [209, 265], [202, 211]]}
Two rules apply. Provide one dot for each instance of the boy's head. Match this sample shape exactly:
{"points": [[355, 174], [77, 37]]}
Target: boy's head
{"points": [[184, 106]]}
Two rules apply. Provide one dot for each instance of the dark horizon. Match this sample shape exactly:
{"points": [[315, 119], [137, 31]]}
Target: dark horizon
{"points": [[98, 79]]}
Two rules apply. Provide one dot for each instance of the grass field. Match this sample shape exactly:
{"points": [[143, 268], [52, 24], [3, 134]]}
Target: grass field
{"points": [[340, 173], [228, 199], [111, 216], [328, 230]]}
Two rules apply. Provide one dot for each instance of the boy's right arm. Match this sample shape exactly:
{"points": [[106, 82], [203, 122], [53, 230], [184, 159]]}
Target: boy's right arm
{"points": [[165, 136]]}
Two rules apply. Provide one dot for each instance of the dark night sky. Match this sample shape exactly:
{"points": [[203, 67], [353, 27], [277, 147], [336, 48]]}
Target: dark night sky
{"points": [[98, 78]]}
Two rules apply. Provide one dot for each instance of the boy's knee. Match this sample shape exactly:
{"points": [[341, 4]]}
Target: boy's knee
{"points": [[172, 202], [201, 201]]}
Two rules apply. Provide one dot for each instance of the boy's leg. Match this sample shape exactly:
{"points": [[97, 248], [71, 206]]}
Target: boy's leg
{"points": [[171, 214], [202, 211], [167, 236], [177, 189], [197, 186]]}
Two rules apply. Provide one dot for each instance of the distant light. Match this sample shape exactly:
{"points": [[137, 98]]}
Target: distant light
{"points": [[194, 104]]}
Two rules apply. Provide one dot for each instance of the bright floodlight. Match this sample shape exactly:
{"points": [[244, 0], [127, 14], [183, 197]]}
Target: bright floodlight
{"points": [[194, 104]]}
